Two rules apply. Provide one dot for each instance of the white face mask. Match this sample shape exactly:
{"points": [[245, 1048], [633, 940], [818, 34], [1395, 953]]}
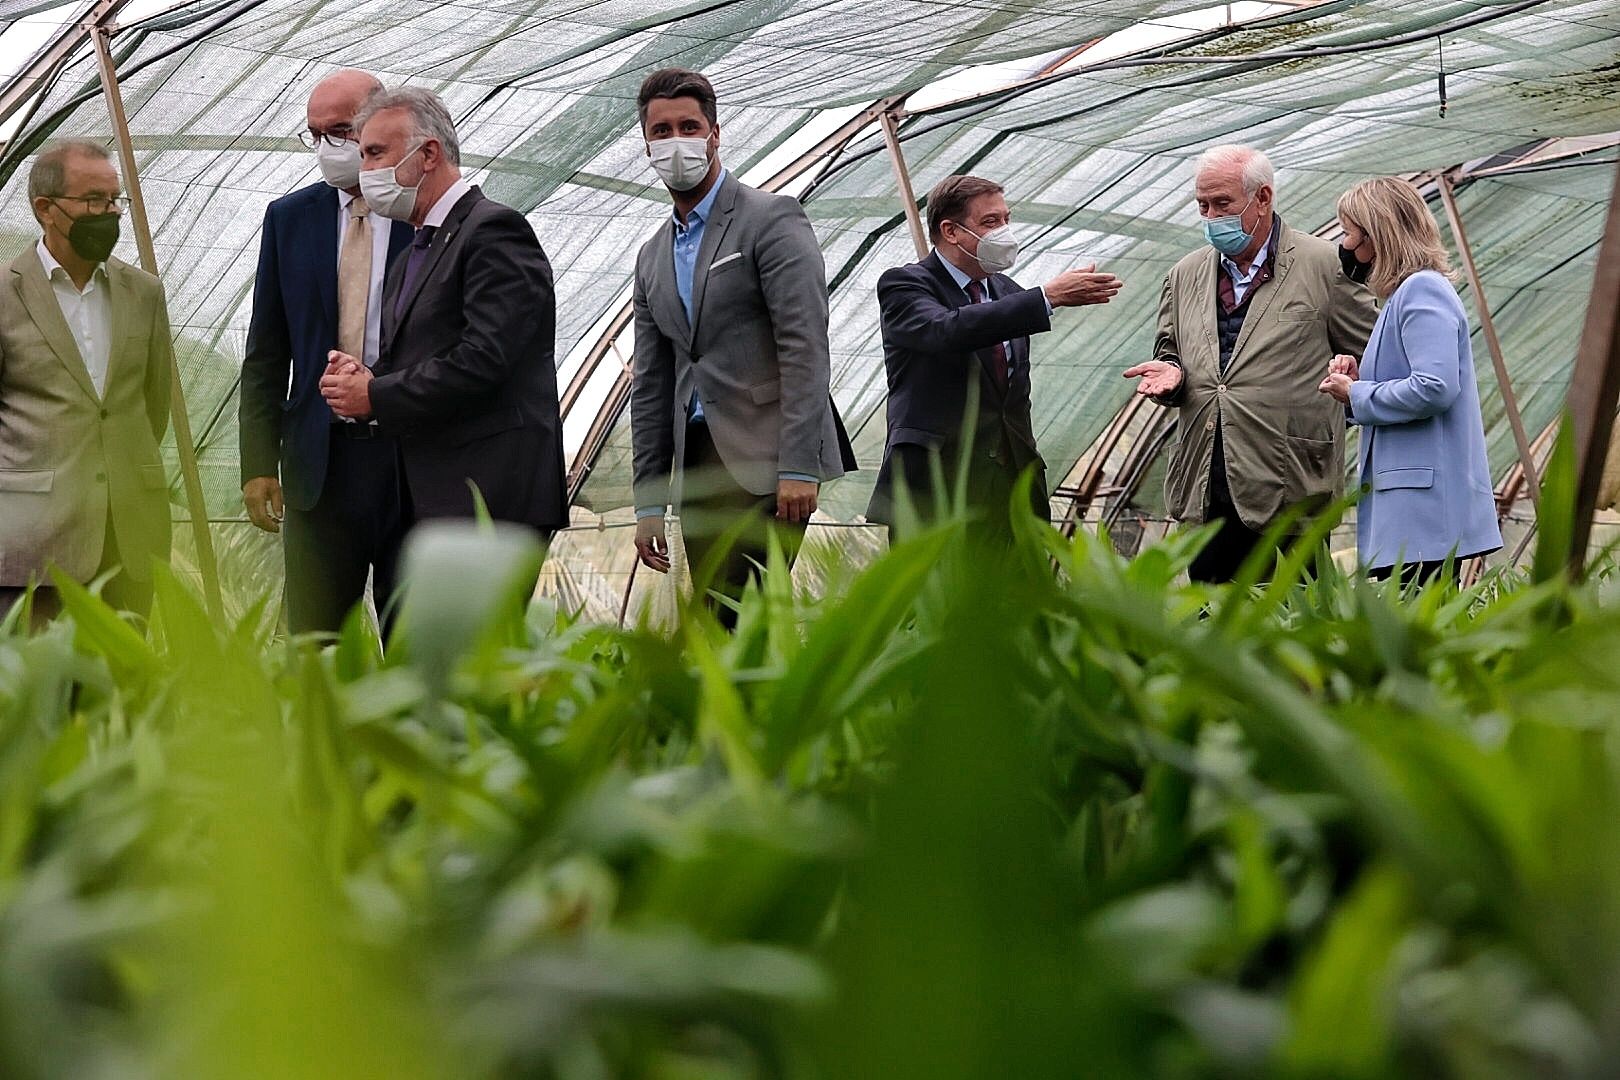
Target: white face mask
{"points": [[998, 248], [385, 194], [680, 163], [340, 165]]}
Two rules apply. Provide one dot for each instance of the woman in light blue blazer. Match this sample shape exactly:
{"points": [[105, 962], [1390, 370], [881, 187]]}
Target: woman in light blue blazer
{"points": [[1423, 464]]}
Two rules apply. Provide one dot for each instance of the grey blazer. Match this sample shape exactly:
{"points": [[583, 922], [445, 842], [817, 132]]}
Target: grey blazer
{"points": [[69, 457], [755, 352]]}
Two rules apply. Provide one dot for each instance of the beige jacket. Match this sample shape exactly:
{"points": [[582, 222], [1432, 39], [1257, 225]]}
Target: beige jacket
{"points": [[69, 457], [1283, 440]]}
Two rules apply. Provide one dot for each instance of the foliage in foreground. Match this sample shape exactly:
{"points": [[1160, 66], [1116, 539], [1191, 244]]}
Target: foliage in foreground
{"points": [[971, 819]]}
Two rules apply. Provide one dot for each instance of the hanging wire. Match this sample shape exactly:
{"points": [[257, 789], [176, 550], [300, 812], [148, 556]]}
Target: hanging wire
{"points": [[1441, 41]]}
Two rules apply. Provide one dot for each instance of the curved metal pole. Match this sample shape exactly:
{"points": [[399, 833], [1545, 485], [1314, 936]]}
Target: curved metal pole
{"points": [[101, 37]]}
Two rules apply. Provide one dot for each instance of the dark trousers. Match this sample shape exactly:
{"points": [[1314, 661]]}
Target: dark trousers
{"points": [[121, 591], [353, 530], [714, 508], [1231, 547], [1420, 573]]}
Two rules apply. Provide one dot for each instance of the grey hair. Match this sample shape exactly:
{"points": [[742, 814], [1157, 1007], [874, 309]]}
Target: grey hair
{"points": [[48, 176], [1257, 170], [429, 117]]}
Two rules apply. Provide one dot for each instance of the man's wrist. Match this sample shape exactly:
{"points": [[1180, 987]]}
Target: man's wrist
{"points": [[649, 511], [805, 478], [1047, 300]]}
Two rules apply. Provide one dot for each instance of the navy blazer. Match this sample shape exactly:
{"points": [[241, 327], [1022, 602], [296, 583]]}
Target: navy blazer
{"points": [[937, 348], [294, 321]]}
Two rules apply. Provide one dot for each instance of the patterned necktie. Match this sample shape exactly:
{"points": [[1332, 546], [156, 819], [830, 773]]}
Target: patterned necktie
{"points": [[354, 280], [413, 266], [998, 357]]}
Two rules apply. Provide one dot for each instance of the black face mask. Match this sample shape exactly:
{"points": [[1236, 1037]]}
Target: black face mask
{"points": [[94, 236], [1354, 269]]}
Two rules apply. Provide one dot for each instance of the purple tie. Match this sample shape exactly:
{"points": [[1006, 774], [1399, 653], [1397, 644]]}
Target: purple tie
{"points": [[998, 358], [413, 266]]}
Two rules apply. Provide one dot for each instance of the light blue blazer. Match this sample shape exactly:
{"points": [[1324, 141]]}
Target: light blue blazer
{"points": [[1422, 436]]}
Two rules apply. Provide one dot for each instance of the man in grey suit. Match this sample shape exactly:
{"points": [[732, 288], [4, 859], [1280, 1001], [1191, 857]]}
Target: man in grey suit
{"points": [[731, 416], [84, 395]]}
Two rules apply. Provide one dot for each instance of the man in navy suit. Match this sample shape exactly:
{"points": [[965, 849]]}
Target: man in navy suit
{"points": [[333, 483], [956, 345]]}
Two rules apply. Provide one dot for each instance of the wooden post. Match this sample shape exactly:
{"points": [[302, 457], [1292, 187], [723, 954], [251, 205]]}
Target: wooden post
{"points": [[101, 37], [1510, 403], [1594, 388], [902, 176]]}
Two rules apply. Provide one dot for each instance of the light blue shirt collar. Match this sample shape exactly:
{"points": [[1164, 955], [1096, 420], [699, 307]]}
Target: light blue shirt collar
{"points": [[957, 276], [699, 214]]}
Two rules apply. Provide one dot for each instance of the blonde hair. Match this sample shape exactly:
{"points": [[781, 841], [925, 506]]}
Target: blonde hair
{"points": [[1404, 236]]}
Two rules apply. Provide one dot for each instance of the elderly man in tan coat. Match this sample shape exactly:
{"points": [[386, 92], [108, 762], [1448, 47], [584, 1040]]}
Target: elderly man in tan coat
{"points": [[84, 395], [1247, 328]]}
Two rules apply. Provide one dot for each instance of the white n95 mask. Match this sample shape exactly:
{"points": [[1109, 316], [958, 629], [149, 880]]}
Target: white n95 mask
{"points": [[998, 248], [340, 165]]}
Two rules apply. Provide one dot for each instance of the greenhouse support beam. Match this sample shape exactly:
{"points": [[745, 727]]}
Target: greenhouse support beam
{"points": [[902, 176], [1510, 403], [1594, 388], [101, 38], [29, 83]]}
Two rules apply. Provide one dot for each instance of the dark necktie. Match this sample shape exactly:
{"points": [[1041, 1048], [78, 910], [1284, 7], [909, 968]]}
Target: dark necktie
{"points": [[998, 357], [413, 266]]}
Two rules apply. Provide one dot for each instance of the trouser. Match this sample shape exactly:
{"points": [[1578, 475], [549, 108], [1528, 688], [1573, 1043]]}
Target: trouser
{"points": [[354, 530], [121, 591], [1231, 547], [712, 506], [1421, 573]]}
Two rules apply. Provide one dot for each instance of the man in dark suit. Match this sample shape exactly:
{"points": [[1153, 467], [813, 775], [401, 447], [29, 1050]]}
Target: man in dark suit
{"points": [[466, 381], [322, 262], [956, 345], [732, 420]]}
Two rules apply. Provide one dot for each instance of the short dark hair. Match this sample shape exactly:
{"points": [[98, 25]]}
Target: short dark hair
{"points": [[951, 196], [678, 82], [48, 176]]}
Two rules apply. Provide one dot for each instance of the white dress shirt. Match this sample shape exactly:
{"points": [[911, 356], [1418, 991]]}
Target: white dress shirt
{"points": [[381, 228], [447, 202], [88, 313]]}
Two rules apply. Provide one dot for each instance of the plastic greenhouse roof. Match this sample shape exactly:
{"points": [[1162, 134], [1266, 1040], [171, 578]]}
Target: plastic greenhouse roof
{"points": [[1097, 161]]}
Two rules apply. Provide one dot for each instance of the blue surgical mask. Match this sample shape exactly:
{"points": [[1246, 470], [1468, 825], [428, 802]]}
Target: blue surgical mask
{"points": [[1227, 234]]}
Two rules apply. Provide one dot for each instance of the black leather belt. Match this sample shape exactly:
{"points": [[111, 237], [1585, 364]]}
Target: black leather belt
{"points": [[355, 431]]}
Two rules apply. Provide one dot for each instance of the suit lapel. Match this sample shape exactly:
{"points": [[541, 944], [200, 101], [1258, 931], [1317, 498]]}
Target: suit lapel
{"points": [[39, 300], [322, 239], [955, 296], [714, 230], [1208, 305], [664, 292], [120, 300], [443, 237]]}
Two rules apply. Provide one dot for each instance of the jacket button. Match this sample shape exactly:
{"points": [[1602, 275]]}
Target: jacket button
{"points": [[1209, 425], [101, 478], [1221, 389], [105, 414]]}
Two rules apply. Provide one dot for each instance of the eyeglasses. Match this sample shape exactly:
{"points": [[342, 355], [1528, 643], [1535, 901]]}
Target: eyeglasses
{"points": [[334, 138], [97, 204]]}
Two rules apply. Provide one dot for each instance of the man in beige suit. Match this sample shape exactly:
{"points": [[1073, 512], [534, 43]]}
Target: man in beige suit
{"points": [[84, 395], [1247, 327]]}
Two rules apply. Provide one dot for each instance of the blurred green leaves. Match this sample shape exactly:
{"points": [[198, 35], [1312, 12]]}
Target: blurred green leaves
{"points": [[1027, 811]]}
